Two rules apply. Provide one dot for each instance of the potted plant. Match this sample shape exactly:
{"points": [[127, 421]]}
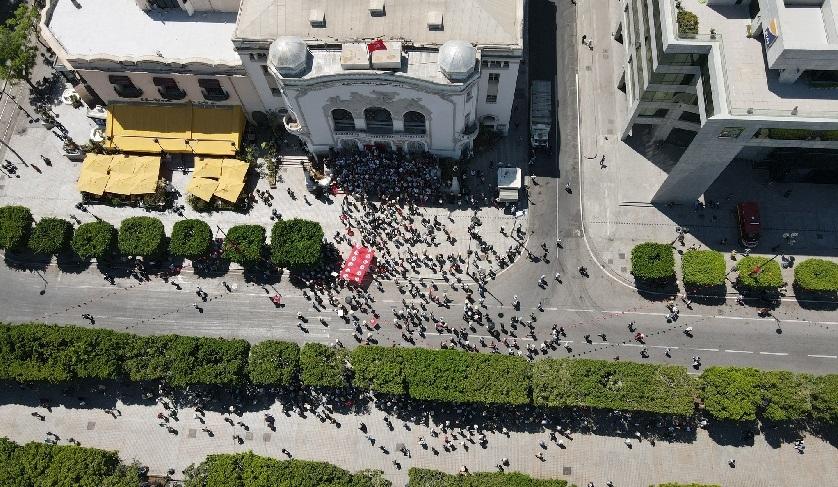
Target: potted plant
{"points": [[72, 151]]}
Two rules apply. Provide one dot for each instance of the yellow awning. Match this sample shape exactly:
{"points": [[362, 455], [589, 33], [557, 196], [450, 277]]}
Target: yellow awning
{"points": [[229, 190], [234, 169], [94, 174], [181, 128], [207, 168], [202, 188]]}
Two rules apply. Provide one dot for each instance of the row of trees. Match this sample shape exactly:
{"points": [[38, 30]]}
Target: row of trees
{"points": [[655, 262], [41, 464], [295, 243], [36, 352]]}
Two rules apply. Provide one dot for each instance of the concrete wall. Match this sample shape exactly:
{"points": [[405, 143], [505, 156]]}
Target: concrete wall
{"points": [[253, 67], [829, 10], [212, 5]]}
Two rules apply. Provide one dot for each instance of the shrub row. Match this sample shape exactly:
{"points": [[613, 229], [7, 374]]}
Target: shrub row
{"points": [[420, 477], [41, 464], [295, 243], [250, 470], [758, 274], [746, 394], [703, 268], [652, 262], [816, 275], [35, 352]]}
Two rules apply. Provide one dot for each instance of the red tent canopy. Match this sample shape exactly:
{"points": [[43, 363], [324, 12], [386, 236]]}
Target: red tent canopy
{"points": [[357, 264]]}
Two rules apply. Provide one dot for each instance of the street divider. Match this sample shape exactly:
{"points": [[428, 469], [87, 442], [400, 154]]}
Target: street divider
{"points": [[35, 352]]}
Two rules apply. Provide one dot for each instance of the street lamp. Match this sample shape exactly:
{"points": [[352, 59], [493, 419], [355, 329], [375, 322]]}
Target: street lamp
{"points": [[788, 238]]}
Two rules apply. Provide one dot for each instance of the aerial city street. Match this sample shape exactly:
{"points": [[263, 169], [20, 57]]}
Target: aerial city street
{"points": [[418, 243]]}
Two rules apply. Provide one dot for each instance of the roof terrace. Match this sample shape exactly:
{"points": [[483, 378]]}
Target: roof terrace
{"points": [[752, 88]]}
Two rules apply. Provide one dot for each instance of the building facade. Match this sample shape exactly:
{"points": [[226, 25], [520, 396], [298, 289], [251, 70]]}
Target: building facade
{"points": [[406, 74], [756, 80]]}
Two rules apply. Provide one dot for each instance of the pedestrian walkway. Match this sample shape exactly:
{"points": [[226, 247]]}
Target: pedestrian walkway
{"points": [[133, 431]]}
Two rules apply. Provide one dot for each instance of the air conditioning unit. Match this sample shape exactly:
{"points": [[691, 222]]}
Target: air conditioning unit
{"points": [[377, 8], [317, 18], [435, 20]]}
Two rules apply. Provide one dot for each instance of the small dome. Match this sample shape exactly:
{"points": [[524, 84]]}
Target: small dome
{"points": [[456, 60], [288, 55]]}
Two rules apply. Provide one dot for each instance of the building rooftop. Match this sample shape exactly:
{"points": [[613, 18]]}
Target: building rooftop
{"points": [[421, 65], [427, 22], [749, 83], [118, 29]]}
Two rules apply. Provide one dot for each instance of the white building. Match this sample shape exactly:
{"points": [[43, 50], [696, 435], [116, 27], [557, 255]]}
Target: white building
{"points": [[756, 81], [448, 66]]}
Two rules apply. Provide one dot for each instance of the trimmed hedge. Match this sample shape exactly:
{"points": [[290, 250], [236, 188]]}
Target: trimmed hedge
{"points": [[50, 353], [686, 485], [190, 239], [603, 384], [273, 363], [141, 236], [786, 396], [15, 226], [94, 240], [420, 477], [244, 244], [51, 236], [379, 369], [703, 268], [825, 398], [652, 261], [296, 243], [41, 464], [768, 278], [747, 394], [816, 275], [250, 470], [454, 376], [323, 366]]}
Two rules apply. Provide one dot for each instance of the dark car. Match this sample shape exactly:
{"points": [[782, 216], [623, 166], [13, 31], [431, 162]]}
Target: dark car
{"points": [[747, 213]]}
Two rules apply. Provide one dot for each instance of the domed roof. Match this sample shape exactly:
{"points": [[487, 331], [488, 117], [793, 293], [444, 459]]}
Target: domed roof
{"points": [[288, 55], [456, 59]]}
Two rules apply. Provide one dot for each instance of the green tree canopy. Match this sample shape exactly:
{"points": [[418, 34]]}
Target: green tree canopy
{"points": [[296, 243], [15, 226], [191, 239], [51, 236], [94, 239], [141, 236], [17, 51]]}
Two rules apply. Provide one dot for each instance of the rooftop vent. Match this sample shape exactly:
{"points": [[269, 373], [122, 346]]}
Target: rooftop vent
{"points": [[317, 18], [434, 20], [377, 8]]}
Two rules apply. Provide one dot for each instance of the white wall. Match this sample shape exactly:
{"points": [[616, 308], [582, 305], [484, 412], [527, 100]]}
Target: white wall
{"points": [[502, 110], [212, 5], [238, 87]]}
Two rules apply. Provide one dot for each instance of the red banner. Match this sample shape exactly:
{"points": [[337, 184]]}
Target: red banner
{"points": [[376, 45]]}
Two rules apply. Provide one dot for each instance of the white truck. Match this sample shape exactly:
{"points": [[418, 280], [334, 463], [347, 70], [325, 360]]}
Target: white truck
{"points": [[541, 116]]}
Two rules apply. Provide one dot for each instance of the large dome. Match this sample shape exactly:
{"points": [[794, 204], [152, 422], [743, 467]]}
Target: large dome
{"points": [[456, 59], [288, 55]]}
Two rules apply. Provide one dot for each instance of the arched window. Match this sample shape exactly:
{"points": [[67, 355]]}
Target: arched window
{"points": [[379, 121], [414, 123], [344, 121]]}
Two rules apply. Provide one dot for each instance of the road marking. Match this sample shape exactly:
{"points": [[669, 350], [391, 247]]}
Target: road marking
{"points": [[707, 349], [824, 356], [663, 346], [632, 345], [738, 351], [772, 353]]}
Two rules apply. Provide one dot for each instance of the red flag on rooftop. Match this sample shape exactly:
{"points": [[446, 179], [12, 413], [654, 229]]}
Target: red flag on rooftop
{"points": [[376, 45]]}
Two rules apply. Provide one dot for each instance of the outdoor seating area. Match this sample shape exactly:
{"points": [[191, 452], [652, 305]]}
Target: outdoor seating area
{"points": [[119, 174], [183, 128], [223, 178]]}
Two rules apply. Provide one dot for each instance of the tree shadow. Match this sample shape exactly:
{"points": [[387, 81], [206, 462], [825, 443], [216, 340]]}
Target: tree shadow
{"points": [[70, 263], [776, 434], [732, 433], [24, 260], [656, 290], [816, 301], [709, 295]]}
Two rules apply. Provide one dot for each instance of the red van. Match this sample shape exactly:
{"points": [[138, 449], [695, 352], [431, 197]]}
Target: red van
{"points": [[747, 213]]}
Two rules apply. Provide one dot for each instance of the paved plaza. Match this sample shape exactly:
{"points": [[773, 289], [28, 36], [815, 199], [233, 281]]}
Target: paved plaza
{"points": [[133, 430]]}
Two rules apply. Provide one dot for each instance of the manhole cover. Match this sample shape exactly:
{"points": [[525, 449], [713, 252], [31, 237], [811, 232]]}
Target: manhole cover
{"points": [[191, 433], [266, 437], [91, 425], [610, 261], [623, 269], [565, 470], [622, 255], [605, 56], [587, 68], [248, 435]]}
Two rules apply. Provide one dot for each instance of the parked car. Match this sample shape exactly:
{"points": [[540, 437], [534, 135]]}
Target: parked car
{"points": [[747, 213]]}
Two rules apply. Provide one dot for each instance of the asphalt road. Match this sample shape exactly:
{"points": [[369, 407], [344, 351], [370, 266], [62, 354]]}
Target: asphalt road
{"points": [[724, 332]]}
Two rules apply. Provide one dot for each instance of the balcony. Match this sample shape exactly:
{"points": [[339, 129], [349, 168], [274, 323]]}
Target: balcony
{"points": [[215, 95], [171, 93], [127, 91], [469, 132], [292, 125]]}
